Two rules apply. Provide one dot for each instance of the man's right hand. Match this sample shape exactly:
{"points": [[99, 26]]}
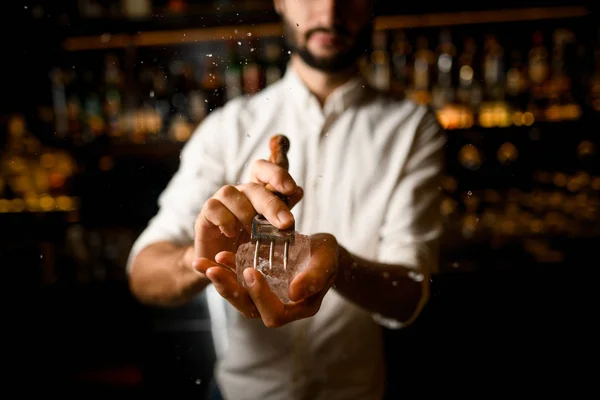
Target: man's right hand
{"points": [[223, 224], [225, 221]]}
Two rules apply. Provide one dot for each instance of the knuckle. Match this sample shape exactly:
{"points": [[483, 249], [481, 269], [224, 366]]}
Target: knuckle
{"points": [[273, 202], [227, 191], [258, 164], [211, 204]]}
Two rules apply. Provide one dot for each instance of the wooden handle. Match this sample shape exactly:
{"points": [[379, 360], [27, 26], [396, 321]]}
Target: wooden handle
{"points": [[280, 145]]}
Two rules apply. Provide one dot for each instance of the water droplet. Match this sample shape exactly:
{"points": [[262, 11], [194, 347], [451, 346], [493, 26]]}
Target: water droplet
{"points": [[249, 34], [289, 52], [26, 7], [239, 43], [252, 50], [209, 55], [152, 93], [41, 256], [395, 283], [417, 277], [198, 381], [386, 275]]}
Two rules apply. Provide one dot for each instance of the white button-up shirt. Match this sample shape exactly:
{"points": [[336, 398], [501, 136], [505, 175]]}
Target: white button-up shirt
{"points": [[370, 166]]}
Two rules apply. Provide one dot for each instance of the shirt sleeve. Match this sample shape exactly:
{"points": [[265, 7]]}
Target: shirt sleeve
{"points": [[413, 223], [200, 174]]}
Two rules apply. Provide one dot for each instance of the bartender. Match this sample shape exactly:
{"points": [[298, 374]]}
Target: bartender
{"points": [[363, 177]]}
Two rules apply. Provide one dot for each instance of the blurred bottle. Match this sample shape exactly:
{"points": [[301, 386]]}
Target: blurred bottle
{"points": [[539, 69], [233, 72], [136, 8], [273, 70], [177, 6], [114, 79], [401, 63], [594, 85], [517, 83], [469, 92], [443, 92], [493, 69], [252, 72], [380, 62], [424, 67], [561, 102], [213, 85]]}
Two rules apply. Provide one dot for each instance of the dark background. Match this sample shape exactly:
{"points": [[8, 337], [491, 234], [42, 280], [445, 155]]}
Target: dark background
{"points": [[501, 317]]}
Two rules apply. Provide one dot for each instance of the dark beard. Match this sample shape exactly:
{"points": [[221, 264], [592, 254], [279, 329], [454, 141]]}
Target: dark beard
{"points": [[337, 63]]}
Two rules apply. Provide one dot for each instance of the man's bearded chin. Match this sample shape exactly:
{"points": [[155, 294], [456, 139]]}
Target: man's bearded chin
{"points": [[336, 63]]}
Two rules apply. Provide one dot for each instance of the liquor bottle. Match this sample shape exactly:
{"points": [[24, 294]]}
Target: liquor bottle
{"points": [[94, 118], [401, 63], [494, 112], [517, 85], [560, 96], [135, 9], [213, 85], [538, 73], [177, 6], [252, 72], [424, 65], [197, 109], [468, 92], [380, 62], [113, 97], [59, 102], [493, 69], [594, 85], [442, 92], [162, 98], [273, 71], [233, 72]]}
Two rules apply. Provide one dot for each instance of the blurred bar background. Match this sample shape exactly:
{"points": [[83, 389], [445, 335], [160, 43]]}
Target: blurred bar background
{"points": [[100, 96]]}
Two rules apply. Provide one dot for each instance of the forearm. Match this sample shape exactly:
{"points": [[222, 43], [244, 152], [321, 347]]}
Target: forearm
{"points": [[161, 275], [392, 291]]}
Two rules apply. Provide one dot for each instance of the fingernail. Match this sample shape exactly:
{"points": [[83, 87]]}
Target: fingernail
{"points": [[285, 216], [249, 278]]}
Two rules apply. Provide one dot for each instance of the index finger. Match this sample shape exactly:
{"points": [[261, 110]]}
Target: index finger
{"points": [[268, 173]]}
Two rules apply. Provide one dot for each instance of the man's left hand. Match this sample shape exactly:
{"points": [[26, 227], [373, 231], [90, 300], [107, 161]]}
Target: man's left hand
{"points": [[306, 291]]}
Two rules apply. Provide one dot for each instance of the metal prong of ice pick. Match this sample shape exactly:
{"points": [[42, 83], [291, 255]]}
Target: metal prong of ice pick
{"points": [[256, 253], [285, 255], [271, 256]]}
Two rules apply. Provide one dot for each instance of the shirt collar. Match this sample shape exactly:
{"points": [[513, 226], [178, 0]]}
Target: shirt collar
{"points": [[340, 99]]}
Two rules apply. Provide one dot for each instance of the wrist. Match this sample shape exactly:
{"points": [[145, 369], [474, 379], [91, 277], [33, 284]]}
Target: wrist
{"points": [[345, 264], [190, 281]]}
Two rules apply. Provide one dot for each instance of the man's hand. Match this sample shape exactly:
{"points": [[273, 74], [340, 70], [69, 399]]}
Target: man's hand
{"points": [[225, 221], [306, 290]]}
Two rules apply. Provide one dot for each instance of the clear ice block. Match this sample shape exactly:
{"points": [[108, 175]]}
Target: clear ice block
{"points": [[278, 279]]}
